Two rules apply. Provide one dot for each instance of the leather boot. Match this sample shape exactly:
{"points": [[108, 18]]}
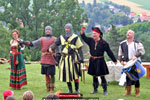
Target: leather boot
{"points": [[47, 87], [128, 91], [77, 88], [52, 87], [137, 92], [69, 87], [104, 86], [47, 83], [95, 85]]}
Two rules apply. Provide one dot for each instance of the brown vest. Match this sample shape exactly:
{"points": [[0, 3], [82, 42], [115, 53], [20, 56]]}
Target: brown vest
{"points": [[45, 44]]}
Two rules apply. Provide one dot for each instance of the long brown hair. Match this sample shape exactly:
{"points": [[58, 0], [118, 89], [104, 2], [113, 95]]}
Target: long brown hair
{"points": [[17, 31]]}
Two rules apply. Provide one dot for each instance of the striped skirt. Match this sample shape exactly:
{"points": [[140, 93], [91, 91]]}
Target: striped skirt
{"points": [[68, 69], [18, 72]]}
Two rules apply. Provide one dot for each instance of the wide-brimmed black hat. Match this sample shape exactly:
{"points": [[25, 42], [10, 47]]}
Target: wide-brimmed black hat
{"points": [[97, 29]]}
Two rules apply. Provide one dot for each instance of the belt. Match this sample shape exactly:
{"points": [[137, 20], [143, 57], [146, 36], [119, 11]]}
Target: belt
{"points": [[64, 55], [47, 53], [96, 57], [14, 59]]}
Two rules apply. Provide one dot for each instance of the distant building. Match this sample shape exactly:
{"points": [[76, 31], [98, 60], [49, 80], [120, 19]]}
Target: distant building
{"points": [[132, 15], [144, 17], [115, 10]]}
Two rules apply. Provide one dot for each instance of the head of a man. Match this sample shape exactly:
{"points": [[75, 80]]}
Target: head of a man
{"points": [[28, 95], [68, 30], [48, 30], [52, 96], [130, 34], [97, 34], [7, 93], [10, 98]]}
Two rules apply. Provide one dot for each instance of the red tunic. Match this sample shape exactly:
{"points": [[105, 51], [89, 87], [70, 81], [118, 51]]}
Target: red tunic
{"points": [[45, 57]]}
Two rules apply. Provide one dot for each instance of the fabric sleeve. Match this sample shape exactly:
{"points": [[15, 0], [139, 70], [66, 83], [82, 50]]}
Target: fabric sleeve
{"points": [[79, 43], [80, 54], [55, 47], [58, 42], [36, 43], [140, 50], [109, 52], [86, 39], [22, 46]]}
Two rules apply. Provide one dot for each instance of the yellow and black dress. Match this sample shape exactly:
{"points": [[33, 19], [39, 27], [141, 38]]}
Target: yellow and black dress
{"points": [[68, 69]]}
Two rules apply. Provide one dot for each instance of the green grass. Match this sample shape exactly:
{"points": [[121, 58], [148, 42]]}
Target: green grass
{"points": [[36, 83]]}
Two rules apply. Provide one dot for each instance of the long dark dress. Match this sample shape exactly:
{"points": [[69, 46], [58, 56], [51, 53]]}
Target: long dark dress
{"points": [[98, 67]]}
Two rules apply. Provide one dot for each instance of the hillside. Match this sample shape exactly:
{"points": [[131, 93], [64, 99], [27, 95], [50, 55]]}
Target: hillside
{"points": [[135, 7], [88, 1]]}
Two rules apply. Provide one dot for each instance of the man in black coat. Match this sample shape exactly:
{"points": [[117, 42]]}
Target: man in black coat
{"points": [[97, 64]]}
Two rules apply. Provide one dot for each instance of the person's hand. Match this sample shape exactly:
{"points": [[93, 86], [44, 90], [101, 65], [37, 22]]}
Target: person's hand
{"points": [[122, 63], [82, 30], [115, 63], [27, 42], [9, 61], [77, 62], [18, 39], [50, 50], [58, 93], [134, 58]]}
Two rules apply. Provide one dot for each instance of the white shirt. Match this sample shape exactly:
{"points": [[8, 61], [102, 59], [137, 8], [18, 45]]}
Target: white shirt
{"points": [[131, 50]]}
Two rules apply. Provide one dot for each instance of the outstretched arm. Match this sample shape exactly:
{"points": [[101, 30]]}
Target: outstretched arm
{"points": [[35, 43]]}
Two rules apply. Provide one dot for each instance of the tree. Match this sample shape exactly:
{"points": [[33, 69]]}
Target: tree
{"points": [[146, 43], [114, 38], [119, 18], [4, 41], [34, 15]]}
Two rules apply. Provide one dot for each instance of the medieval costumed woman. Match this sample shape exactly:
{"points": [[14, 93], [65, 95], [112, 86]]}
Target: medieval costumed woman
{"points": [[18, 71]]}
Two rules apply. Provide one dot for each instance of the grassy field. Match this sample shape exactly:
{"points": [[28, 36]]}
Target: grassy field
{"points": [[36, 83], [144, 3]]}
